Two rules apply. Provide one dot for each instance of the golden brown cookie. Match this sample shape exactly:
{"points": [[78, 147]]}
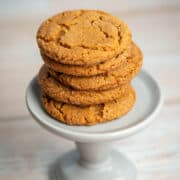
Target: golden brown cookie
{"points": [[77, 70], [89, 115], [83, 37], [59, 92], [113, 79]]}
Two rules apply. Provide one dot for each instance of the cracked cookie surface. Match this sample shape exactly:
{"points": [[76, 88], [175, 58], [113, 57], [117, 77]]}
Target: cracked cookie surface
{"points": [[89, 115], [59, 92], [114, 78], [77, 70], [83, 37]]}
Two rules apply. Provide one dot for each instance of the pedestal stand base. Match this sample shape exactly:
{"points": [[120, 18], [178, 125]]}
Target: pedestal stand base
{"points": [[68, 167]]}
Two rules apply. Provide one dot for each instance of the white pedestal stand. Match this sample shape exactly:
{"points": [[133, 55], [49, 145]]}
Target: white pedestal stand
{"points": [[93, 159]]}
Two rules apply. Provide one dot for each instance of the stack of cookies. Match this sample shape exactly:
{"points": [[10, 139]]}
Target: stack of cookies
{"points": [[89, 62]]}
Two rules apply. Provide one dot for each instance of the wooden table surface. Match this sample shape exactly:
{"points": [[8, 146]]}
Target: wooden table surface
{"points": [[26, 150]]}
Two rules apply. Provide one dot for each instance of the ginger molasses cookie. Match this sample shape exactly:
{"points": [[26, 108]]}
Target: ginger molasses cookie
{"points": [[83, 37], [79, 70], [113, 79], [59, 92], [89, 115]]}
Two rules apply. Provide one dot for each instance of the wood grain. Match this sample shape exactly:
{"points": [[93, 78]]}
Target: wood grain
{"points": [[26, 150]]}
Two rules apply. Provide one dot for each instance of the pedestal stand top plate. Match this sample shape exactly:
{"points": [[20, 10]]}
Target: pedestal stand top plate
{"points": [[148, 103]]}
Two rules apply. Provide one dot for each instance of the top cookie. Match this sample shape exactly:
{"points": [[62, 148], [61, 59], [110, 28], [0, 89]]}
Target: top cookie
{"points": [[83, 37]]}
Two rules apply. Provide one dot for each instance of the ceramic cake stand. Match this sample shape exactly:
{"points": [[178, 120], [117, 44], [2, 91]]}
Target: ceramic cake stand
{"points": [[93, 159]]}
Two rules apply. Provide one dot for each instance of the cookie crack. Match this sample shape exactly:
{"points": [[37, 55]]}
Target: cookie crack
{"points": [[65, 45], [59, 107], [64, 25], [119, 35], [101, 30], [101, 110], [117, 27], [105, 33], [79, 15]]}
